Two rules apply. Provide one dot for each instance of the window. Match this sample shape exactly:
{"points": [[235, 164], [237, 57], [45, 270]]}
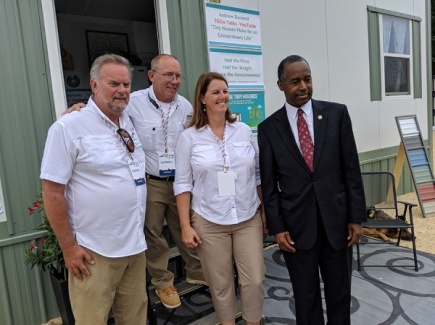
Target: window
{"points": [[394, 54]]}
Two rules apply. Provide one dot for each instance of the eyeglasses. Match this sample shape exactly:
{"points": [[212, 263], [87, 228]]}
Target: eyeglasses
{"points": [[170, 76], [126, 138]]}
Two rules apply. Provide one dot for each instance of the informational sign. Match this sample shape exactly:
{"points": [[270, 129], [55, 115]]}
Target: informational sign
{"points": [[248, 106], [234, 45], [242, 69], [412, 149], [233, 27]]}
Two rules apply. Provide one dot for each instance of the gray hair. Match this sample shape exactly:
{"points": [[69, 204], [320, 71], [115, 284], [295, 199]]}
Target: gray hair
{"points": [[156, 60], [105, 59]]}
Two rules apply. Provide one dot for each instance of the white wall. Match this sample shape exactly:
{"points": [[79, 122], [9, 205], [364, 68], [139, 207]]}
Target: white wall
{"points": [[333, 37]]}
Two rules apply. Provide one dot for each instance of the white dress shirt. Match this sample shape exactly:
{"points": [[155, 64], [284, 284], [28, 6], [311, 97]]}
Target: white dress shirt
{"points": [[199, 158], [292, 114], [106, 209], [146, 113]]}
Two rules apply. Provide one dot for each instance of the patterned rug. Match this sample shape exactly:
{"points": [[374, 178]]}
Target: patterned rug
{"points": [[387, 295]]}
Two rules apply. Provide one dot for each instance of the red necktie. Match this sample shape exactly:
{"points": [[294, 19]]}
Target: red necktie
{"points": [[305, 141]]}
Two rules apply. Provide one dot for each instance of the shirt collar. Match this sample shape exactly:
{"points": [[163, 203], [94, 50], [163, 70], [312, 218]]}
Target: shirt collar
{"points": [[226, 124], [152, 96], [292, 111]]}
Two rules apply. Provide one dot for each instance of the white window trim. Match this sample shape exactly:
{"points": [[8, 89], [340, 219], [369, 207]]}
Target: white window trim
{"points": [[382, 56], [54, 58]]}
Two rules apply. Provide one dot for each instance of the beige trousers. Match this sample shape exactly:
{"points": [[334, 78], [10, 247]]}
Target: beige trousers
{"points": [[161, 205], [223, 246], [117, 283]]}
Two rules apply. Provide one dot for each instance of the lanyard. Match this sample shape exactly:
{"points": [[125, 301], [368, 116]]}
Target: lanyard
{"points": [[222, 145], [165, 123], [165, 118]]}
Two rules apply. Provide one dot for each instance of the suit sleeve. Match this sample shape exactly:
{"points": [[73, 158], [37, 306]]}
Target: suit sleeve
{"points": [[269, 184], [352, 172]]}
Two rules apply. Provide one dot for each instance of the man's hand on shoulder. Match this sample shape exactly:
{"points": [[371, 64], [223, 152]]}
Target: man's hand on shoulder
{"points": [[75, 107]]}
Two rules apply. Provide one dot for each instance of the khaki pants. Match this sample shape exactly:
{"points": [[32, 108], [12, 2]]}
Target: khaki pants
{"points": [[161, 205], [223, 245], [117, 283]]}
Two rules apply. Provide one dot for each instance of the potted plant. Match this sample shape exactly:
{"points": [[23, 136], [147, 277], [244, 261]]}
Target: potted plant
{"points": [[46, 254]]}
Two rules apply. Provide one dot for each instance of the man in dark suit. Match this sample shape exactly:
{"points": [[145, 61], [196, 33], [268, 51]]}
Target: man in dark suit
{"points": [[313, 193]]}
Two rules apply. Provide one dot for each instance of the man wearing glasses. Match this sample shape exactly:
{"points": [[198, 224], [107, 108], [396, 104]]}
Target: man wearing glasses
{"points": [[94, 193], [159, 115]]}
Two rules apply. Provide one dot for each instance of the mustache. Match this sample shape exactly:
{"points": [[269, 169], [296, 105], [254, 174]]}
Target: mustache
{"points": [[307, 92]]}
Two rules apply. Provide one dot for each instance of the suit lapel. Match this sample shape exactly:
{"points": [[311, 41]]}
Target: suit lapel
{"points": [[283, 126], [320, 119]]}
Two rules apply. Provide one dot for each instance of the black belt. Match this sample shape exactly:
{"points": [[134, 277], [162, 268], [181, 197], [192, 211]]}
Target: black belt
{"points": [[167, 178]]}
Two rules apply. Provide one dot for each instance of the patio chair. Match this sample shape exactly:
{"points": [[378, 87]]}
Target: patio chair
{"points": [[381, 198]]}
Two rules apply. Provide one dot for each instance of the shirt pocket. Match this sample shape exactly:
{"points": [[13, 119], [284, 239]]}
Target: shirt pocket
{"points": [[244, 149], [203, 153], [102, 152], [148, 134]]}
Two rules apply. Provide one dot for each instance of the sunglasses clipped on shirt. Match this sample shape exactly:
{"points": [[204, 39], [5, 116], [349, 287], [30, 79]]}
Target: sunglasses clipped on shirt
{"points": [[126, 138]]}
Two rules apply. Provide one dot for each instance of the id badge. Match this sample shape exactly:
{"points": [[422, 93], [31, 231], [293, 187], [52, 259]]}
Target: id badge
{"points": [[227, 183], [166, 163], [134, 166]]}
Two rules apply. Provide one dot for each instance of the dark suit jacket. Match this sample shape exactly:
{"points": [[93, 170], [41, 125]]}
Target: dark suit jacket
{"points": [[291, 191]]}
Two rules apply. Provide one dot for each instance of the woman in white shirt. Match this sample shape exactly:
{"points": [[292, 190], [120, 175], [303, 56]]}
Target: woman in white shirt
{"points": [[217, 186]]}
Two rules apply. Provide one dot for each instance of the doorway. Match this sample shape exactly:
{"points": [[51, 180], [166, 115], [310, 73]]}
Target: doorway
{"points": [[89, 28]]}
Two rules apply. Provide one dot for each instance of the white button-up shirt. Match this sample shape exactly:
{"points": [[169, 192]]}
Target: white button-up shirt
{"points": [[146, 115], [106, 209], [199, 158]]}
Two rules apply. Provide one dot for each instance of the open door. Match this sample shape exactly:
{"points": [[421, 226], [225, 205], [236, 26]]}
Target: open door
{"points": [[88, 29]]}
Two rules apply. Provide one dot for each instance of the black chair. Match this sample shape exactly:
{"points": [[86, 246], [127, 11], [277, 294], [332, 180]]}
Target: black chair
{"points": [[383, 213]]}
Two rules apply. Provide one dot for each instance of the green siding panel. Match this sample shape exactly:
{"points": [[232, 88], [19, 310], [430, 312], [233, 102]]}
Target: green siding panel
{"points": [[26, 112], [188, 41], [384, 160]]}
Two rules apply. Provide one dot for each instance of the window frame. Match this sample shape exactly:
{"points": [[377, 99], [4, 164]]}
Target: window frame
{"points": [[376, 65], [384, 54]]}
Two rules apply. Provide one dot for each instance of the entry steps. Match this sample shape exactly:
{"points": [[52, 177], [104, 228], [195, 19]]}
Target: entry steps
{"points": [[155, 306], [185, 290]]}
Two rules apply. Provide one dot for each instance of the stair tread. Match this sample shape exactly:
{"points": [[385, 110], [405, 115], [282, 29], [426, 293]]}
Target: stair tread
{"points": [[174, 253]]}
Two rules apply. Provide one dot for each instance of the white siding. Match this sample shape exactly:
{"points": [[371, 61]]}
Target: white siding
{"points": [[333, 37]]}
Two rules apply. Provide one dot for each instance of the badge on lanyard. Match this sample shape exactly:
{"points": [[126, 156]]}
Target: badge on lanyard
{"points": [[134, 166], [167, 163], [227, 183]]}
